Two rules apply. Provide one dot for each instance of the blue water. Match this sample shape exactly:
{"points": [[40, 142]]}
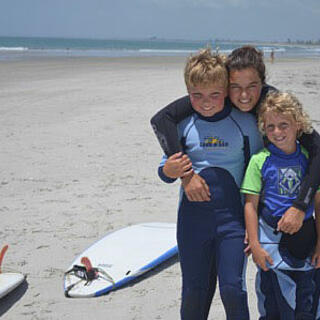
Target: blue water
{"points": [[16, 48]]}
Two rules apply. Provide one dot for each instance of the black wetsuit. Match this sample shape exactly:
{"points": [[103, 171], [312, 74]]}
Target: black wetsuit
{"points": [[165, 122]]}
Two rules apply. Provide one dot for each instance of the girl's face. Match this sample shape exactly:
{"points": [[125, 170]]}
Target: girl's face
{"points": [[281, 130], [244, 88]]}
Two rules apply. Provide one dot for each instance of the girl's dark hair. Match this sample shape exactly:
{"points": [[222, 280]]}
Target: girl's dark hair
{"points": [[247, 57]]}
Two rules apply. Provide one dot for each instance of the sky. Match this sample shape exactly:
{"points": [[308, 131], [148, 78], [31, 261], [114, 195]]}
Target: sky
{"points": [[269, 20]]}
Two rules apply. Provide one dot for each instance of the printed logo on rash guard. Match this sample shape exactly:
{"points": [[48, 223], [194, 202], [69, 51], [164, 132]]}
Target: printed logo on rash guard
{"points": [[213, 142], [289, 180]]}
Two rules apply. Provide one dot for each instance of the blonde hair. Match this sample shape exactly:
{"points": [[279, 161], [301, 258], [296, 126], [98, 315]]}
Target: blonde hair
{"points": [[205, 68], [284, 103]]}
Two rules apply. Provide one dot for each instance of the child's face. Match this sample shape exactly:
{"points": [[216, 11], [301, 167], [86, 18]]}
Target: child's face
{"points": [[281, 130], [208, 100], [244, 88]]}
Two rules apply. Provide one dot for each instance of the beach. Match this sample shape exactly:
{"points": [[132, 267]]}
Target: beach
{"points": [[79, 159]]}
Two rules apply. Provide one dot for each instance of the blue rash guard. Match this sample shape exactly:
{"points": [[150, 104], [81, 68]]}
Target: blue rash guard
{"points": [[218, 141], [276, 177]]}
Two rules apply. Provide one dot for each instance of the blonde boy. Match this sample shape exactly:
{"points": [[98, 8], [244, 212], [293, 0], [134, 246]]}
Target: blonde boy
{"points": [[271, 184], [210, 229]]}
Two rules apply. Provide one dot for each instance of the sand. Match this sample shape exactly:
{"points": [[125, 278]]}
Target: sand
{"points": [[79, 159]]}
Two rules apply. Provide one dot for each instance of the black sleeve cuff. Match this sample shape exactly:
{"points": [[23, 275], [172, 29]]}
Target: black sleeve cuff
{"points": [[163, 177]]}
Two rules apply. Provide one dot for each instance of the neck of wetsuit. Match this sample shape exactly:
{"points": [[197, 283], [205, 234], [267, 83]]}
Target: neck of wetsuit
{"points": [[218, 116]]}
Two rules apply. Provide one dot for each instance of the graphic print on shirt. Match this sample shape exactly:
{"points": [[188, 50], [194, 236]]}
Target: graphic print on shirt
{"points": [[289, 180], [213, 142]]}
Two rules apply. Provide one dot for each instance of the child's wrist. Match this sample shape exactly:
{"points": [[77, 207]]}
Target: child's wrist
{"points": [[190, 174], [168, 173], [186, 179], [255, 244]]}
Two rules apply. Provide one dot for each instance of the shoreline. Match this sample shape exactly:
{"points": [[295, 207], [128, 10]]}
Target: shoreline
{"points": [[148, 58]]}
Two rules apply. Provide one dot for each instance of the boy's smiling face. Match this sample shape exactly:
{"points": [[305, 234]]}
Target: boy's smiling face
{"points": [[207, 100], [281, 130]]}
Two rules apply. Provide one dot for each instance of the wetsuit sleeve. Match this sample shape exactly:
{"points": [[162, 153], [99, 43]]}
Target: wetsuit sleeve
{"points": [[163, 177], [311, 180], [255, 138], [253, 141], [164, 124], [252, 182]]}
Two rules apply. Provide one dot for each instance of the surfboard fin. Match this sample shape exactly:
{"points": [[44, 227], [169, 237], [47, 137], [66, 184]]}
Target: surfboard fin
{"points": [[86, 273], [87, 263], [92, 273], [2, 253]]}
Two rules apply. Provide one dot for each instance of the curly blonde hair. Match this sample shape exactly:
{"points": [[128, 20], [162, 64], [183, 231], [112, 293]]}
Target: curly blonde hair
{"points": [[284, 103], [205, 69]]}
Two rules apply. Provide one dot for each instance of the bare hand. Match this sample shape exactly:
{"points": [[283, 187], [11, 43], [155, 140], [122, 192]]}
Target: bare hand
{"points": [[247, 250], [196, 188], [177, 165], [261, 257], [291, 221]]}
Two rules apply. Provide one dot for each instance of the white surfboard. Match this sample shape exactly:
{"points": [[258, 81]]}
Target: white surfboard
{"points": [[8, 280], [120, 257]]}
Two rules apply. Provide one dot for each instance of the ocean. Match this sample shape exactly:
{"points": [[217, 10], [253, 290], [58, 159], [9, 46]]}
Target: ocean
{"points": [[18, 48]]}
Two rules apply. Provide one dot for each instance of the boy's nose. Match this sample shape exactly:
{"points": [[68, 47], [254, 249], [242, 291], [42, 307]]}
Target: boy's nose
{"points": [[206, 101], [244, 93], [277, 130]]}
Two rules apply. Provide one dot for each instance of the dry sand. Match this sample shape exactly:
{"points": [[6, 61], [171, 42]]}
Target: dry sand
{"points": [[79, 159]]}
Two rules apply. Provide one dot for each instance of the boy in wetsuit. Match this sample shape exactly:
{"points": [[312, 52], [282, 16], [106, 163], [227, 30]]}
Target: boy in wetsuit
{"points": [[210, 234], [271, 183]]}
